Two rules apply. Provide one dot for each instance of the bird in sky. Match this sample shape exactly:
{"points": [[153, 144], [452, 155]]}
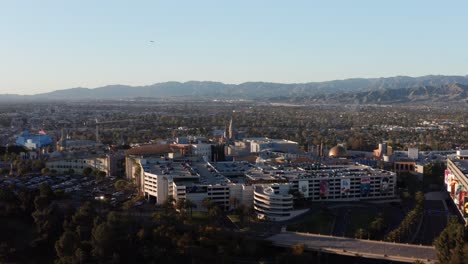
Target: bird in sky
{"points": [[152, 41]]}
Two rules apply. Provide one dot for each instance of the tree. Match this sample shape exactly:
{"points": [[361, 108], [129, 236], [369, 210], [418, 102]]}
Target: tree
{"points": [[48, 222], [45, 171], [45, 190], [190, 206], [87, 171], [180, 205], [82, 221], [113, 239], [102, 240], [4, 171], [298, 197], [450, 243], [121, 185], [8, 202], [298, 249], [443, 247], [361, 233], [377, 226], [168, 205], [458, 253], [66, 245], [26, 201], [233, 203], [215, 212], [208, 203]]}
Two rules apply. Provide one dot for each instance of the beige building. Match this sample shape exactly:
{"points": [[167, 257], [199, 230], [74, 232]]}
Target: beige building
{"points": [[64, 165]]}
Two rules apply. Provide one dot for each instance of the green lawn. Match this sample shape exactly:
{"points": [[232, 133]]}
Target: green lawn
{"points": [[200, 218], [318, 223], [234, 218]]}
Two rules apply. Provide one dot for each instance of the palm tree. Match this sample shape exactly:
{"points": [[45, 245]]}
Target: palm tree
{"points": [[233, 203], [180, 205], [214, 212], [190, 205], [168, 204], [207, 203]]}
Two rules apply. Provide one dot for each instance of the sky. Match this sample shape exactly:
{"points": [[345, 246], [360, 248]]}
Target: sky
{"points": [[57, 44]]}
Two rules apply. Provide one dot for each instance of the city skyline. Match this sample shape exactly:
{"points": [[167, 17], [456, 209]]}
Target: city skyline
{"points": [[56, 45]]}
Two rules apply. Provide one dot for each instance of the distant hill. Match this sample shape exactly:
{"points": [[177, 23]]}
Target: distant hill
{"points": [[361, 90], [422, 94]]}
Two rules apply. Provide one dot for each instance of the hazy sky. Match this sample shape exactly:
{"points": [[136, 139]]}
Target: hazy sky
{"points": [[56, 44]]}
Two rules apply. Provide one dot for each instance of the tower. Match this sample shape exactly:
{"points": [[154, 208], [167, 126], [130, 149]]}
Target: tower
{"points": [[62, 134], [97, 130], [226, 132], [231, 130], [61, 143]]}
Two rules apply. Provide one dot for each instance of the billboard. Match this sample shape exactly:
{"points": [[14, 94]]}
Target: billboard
{"points": [[448, 183], [465, 207], [460, 193], [384, 185], [453, 188], [365, 186], [196, 189], [323, 188], [345, 186], [458, 189], [447, 173], [461, 197], [304, 188]]}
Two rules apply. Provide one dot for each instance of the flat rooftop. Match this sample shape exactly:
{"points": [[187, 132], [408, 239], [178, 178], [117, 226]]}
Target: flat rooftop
{"points": [[290, 173], [462, 165], [185, 173], [232, 168], [205, 173], [174, 169]]}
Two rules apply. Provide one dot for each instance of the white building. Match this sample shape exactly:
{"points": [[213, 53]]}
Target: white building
{"points": [[273, 202], [202, 150], [163, 178], [282, 145], [413, 153], [63, 165], [346, 183]]}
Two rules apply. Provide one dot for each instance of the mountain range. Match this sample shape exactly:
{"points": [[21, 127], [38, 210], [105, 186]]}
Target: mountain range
{"points": [[399, 89]]}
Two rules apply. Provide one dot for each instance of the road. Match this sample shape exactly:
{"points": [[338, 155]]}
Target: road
{"points": [[355, 247]]}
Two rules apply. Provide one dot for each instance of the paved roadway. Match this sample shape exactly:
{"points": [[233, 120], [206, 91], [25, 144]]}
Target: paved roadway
{"points": [[355, 247], [434, 222]]}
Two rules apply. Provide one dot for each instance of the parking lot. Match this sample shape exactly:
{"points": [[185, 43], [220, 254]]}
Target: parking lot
{"points": [[78, 188]]}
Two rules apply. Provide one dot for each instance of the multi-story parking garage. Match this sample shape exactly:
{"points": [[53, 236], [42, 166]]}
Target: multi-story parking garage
{"points": [[273, 202], [456, 181]]}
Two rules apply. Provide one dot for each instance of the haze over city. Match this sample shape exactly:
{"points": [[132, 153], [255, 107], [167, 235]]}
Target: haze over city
{"points": [[50, 45]]}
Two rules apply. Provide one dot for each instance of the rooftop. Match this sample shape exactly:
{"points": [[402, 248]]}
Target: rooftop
{"points": [[185, 173], [174, 169], [462, 165], [150, 150]]}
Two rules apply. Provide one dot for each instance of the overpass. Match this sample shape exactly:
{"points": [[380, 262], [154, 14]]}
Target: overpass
{"points": [[357, 247]]}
